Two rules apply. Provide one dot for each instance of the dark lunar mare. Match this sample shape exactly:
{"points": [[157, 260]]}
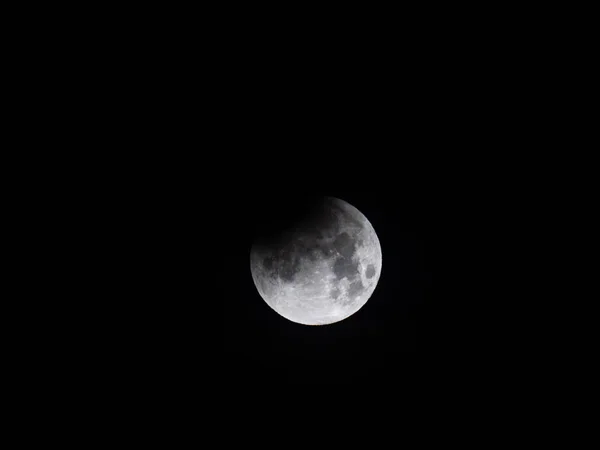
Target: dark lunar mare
{"points": [[370, 273], [344, 266], [355, 289], [305, 214]]}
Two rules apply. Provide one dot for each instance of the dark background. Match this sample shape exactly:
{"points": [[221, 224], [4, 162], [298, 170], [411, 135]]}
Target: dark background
{"points": [[391, 131], [402, 146], [393, 139]]}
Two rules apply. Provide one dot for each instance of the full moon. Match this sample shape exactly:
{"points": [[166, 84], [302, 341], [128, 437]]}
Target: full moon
{"points": [[319, 268]]}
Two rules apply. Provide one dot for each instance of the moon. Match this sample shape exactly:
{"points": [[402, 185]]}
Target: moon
{"points": [[322, 267]]}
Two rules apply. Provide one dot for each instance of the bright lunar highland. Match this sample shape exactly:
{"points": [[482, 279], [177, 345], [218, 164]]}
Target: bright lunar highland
{"points": [[323, 268]]}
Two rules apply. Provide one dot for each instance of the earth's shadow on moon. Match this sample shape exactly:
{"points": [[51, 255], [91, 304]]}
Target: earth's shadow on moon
{"points": [[275, 220]]}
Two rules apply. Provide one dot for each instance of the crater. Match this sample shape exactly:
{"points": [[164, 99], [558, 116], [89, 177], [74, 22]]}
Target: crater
{"points": [[370, 273]]}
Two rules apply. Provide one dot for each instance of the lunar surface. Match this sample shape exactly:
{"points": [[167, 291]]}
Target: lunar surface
{"points": [[322, 268]]}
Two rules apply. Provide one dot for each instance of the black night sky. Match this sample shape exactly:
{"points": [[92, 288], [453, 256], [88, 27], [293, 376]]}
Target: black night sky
{"points": [[394, 135]]}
